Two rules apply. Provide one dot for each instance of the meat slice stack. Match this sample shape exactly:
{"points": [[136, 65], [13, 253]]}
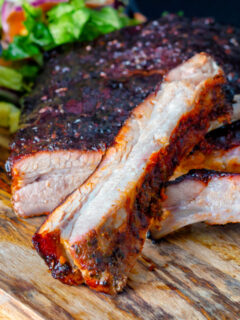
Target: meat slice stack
{"points": [[96, 235], [82, 99], [199, 195]]}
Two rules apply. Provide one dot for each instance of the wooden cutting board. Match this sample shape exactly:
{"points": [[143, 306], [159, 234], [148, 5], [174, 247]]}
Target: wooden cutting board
{"points": [[193, 274]]}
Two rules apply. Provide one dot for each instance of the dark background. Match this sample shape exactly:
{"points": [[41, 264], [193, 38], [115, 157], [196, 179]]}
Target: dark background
{"points": [[227, 11]]}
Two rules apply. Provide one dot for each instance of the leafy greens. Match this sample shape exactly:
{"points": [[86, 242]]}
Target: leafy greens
{"points": [[66, 22]]}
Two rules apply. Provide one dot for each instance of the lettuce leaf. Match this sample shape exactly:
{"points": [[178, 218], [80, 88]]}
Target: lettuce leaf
{"points": [[106, 20], [69, 26], [38, 36], [21, 48], [58, 11]]}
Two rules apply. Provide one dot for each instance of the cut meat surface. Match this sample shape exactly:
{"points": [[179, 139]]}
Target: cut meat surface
{"points": [[81, 99], [220, 150], [46, 178], [101, 228], [199, 196]]}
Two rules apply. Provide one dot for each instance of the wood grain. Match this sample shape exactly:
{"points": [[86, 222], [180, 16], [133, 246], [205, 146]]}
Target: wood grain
{"points": [[192, 274]]}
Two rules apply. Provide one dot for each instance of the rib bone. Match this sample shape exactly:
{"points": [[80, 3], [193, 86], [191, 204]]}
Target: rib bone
{"points": [[199, 196]]}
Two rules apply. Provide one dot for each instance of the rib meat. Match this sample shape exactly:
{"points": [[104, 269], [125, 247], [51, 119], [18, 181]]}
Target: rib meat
{"points": [[220, 150], [82, 99], [100, 229], [200, 195], [44, 179]]}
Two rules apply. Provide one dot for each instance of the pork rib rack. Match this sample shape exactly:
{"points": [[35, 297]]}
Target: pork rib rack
{"points": [[99, 231], [82, 99], [200, 195]]}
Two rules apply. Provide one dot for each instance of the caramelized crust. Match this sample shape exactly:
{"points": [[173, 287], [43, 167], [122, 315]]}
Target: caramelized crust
{"points": [[220, 150], [82, 98]]}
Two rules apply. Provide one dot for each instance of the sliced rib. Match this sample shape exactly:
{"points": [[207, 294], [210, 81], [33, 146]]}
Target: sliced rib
{"points": [[101, 228], [199, 196]]}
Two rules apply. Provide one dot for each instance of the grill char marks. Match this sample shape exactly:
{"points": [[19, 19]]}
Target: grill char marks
{"points": [[103, 224], [199, 196], [56, 260]]}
